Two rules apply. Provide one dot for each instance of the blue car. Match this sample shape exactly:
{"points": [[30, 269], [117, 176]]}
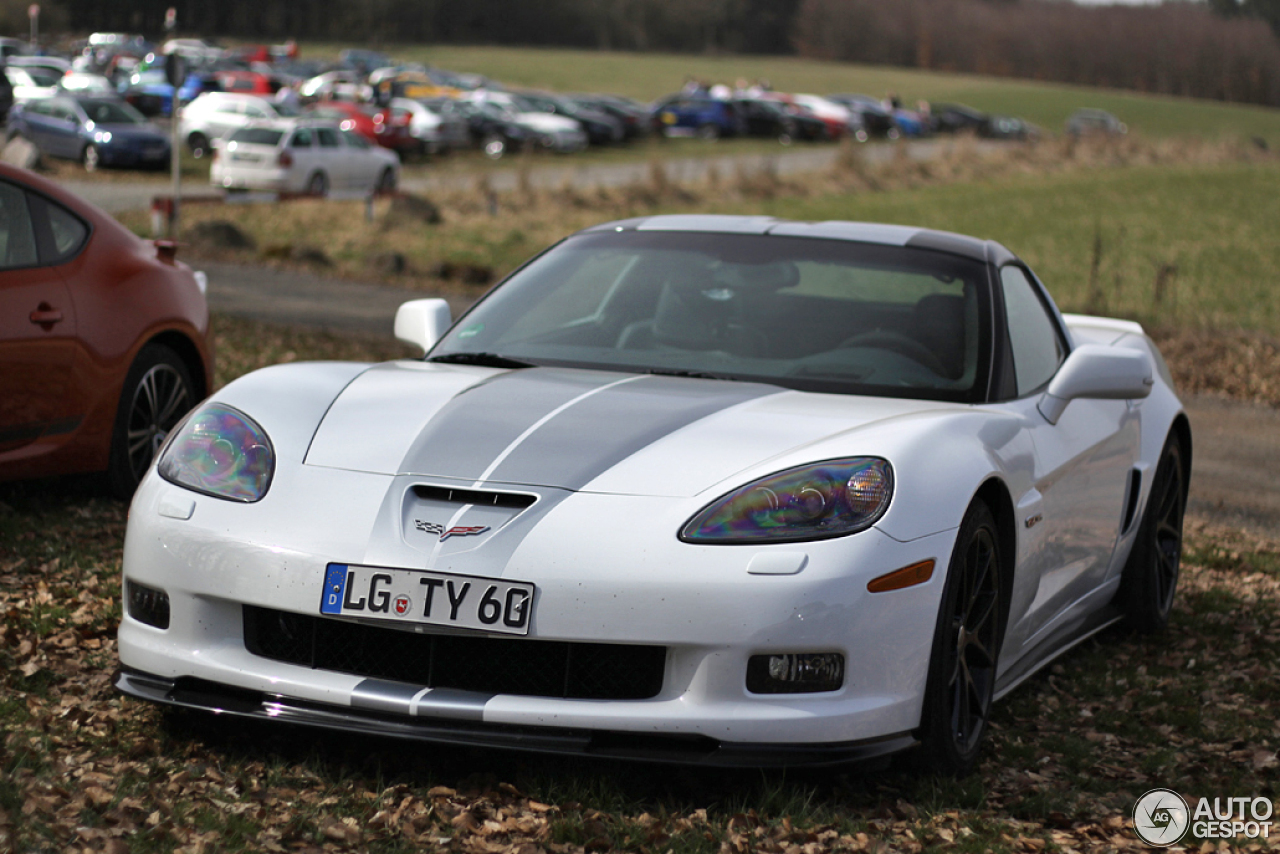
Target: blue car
{"points": [[697, 115], [96, 131], [149, 92]]}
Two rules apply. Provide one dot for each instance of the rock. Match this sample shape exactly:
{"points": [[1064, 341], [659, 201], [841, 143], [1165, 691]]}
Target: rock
{"points": [[218, 234], [389, 263], [406, 207], [310, 255], [21, 152], [296, 254]]}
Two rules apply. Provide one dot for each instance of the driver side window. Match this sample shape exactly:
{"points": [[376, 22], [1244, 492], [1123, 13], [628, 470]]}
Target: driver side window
{"points": [[1034, 340]]}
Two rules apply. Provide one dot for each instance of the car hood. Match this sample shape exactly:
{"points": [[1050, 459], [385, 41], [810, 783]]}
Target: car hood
{"points": [[547, 122], [139, 133], [581, 430]]}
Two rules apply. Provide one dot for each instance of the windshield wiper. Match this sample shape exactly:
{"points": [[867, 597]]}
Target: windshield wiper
{"points": [[485, 360]]}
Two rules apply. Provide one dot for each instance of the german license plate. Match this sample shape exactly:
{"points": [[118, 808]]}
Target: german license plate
{"points": [[431, 598]]}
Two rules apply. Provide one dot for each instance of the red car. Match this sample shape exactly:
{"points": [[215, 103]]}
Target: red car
{"points": [[388, 128], [103, 338], [247, 82]]}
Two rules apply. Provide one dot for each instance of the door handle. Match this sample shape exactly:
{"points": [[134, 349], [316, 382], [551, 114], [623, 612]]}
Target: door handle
{"points": [[46, 316]]}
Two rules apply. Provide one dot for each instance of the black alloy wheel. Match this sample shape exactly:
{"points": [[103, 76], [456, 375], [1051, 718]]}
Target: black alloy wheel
{"points": [[157, 393], [962, 667], [318, 185], [1150, 577]]}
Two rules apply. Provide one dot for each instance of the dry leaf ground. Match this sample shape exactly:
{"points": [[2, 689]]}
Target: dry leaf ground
{"points": [[82, 768]]}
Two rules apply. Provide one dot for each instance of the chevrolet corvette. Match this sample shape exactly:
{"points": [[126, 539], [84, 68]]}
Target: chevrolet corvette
{"points": [[703, 489]]}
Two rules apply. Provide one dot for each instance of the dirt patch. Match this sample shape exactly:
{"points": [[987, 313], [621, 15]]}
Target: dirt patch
{"points": [[1237, 365]]}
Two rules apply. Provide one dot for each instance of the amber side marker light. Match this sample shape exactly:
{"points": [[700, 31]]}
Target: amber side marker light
{"points": [[908, 576]]}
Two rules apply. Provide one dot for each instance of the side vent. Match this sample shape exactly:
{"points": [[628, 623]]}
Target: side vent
{"points": [[1131, 503], [478, 497]]}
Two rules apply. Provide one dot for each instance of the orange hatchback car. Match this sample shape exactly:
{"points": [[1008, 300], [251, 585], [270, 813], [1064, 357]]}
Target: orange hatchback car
{"points": [[103, 338]]}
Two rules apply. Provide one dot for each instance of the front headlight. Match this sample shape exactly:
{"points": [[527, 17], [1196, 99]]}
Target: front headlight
{"points": [[812, 502], [220, 452]]}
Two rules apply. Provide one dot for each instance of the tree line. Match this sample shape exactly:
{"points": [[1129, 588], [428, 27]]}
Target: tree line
{"points": [[1221, 49]]}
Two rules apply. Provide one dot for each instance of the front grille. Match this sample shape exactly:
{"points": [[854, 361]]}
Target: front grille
{"points": [[533, 668]]}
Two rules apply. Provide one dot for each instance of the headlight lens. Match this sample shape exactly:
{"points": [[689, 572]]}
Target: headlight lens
{"points": [[221, 452], [812, 502]]}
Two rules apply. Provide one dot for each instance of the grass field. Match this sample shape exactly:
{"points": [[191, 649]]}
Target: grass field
{"points": [[1169, 234], [649, 76]]}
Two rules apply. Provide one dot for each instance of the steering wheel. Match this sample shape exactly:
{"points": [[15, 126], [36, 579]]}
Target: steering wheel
{"points": [[903, 345]]}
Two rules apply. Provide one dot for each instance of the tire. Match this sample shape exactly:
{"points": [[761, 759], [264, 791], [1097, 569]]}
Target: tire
{"points": [[91, 158], [318, 185], [387, 181], [494, 146], [157, 393], [199, 145], [1150, 577], [966, 646]]}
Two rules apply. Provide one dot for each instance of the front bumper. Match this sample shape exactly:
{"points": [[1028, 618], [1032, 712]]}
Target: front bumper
{"points": [[625, 584], [675, 748]]}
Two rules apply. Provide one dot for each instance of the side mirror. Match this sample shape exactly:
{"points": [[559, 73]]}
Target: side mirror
{"points": [[1097, 371], [423, 322]]}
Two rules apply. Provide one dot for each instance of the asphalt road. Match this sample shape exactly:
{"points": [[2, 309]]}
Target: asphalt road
{"points": [[1236, 446], [115, 197]]}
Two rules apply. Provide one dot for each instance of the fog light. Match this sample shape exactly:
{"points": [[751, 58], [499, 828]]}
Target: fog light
{"points": [[795, 673], [148, 605]]}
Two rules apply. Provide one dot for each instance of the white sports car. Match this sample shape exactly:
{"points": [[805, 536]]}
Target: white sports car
{"points": [[728, 490]]}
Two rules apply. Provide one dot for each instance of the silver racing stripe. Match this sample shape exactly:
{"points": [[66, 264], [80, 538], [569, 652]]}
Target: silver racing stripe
{"points": [[561, 427], [399, 698]]}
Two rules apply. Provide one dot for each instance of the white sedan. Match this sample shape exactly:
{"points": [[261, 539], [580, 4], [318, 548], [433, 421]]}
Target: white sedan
{"points": [[302, 156], [727, 490]]}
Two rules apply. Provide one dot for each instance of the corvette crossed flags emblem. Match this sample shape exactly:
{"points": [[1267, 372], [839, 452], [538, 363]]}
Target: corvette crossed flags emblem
{"points": [[456, 531]]}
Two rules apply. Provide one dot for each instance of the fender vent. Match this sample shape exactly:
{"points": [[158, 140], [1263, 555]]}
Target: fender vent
{"points": [[1131, 503]]}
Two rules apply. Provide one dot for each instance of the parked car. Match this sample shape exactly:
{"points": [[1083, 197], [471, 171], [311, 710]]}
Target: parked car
{"points": [[784, 122], [494, 130], [839, 119], [602, 129], [958, 118], [149, 92], [28, 82], [727, 490], [435, 133], [87, 83], [247, 82], [499, 123], [877, 120], [94, 131], [379, 125], [696, 115], [103, 338], [1090, 122], [302, 156], [214, 115], [633, 115]]}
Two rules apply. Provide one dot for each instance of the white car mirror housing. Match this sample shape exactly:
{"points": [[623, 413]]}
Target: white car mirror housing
{"points": [[422, 322], [1098, 371]]}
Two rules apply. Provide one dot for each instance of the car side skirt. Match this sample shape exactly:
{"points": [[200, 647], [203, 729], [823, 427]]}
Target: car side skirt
{"points": [[223, 699], [1055, 644]]}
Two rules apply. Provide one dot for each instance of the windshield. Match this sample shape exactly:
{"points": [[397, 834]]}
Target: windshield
{"points": [[821, 315], [111, 112]]}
